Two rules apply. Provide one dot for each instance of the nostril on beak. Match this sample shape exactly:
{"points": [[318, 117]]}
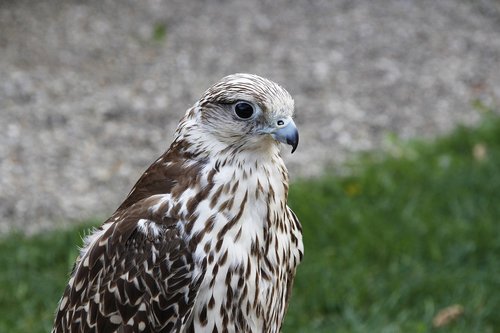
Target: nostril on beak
{"points": [[287, 134]]}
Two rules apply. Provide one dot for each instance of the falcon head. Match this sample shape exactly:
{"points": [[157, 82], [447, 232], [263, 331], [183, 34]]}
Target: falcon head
{"points": [[242, 111]]}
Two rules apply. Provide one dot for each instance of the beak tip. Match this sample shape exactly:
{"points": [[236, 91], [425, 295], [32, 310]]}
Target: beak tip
{"points": [[294, 143]]}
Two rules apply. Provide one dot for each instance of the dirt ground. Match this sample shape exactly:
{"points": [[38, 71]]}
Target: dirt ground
{"points": [[91, 91]]}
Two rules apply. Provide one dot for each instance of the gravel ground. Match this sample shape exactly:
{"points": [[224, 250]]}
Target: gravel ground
{"points": [[91, 91]]}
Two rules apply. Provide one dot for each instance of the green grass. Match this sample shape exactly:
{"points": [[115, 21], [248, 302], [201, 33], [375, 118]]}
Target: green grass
{"points": [[159, 32], [407, 233], [33, 273]]}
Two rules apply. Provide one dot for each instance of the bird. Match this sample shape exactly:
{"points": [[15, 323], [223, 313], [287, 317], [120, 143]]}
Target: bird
{"points": [[205, 241]]}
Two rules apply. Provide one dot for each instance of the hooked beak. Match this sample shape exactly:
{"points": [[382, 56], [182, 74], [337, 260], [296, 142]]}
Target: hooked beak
{"points": [[287, 133]]}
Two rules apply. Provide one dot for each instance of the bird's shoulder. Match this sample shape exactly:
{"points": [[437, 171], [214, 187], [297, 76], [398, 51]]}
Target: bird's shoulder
{"points": [[173, 172], [136, 269]]}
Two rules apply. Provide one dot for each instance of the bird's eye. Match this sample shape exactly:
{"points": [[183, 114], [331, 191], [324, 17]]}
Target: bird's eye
{"points": [[243, 110]]}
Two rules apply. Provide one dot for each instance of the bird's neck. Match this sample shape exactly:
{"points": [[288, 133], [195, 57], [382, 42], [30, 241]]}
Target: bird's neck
{"points": [[254, 169]]}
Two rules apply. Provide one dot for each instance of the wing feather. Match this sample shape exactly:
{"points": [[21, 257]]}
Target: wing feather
{"points": [[132, 280]]}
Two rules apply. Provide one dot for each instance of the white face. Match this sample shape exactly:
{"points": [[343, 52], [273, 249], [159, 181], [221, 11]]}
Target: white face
{"points": [[245, 111]]}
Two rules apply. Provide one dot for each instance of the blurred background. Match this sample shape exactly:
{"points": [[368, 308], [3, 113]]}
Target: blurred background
{"points": [[91, 91], [396, 178]]}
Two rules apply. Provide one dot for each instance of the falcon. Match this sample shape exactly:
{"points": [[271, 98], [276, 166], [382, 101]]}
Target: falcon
{"points": [[204, 241]]}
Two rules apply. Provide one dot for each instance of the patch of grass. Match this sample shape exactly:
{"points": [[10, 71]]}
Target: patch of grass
{"points": [[159, 32], [407, 233], [33, 273]]}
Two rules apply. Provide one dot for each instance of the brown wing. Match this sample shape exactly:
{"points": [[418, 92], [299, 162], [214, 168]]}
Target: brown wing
{"points": [[163, 175], [131, 281]]}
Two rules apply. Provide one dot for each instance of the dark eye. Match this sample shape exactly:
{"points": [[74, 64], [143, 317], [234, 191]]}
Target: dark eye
{"points": [[243, 110]]}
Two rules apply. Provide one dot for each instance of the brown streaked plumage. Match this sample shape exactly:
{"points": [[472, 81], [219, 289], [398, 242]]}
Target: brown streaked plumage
{"points": [[205, 241]]}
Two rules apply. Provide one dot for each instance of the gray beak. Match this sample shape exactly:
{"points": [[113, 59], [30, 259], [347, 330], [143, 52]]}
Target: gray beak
{"points": [[287, 134]]}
